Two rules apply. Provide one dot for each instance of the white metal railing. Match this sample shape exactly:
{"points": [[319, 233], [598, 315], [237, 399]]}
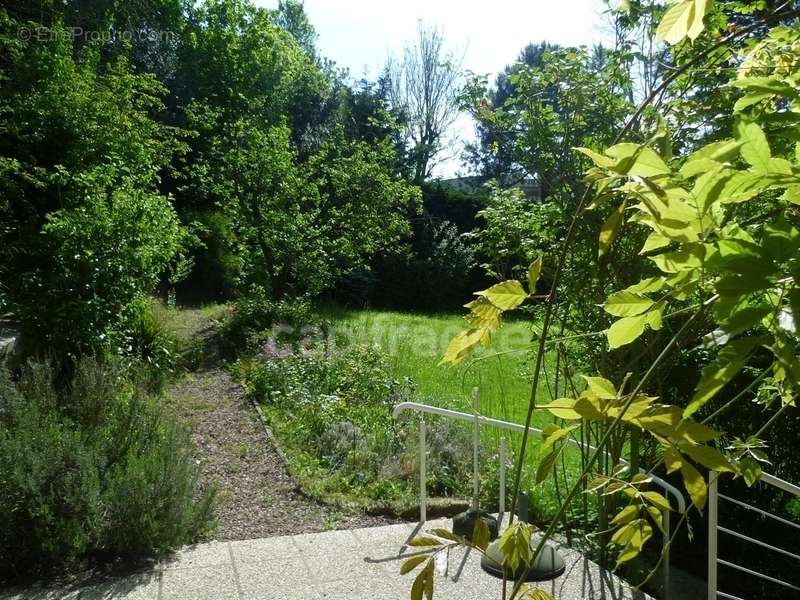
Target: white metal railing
{"points": [[481, 421], [714, 496]]}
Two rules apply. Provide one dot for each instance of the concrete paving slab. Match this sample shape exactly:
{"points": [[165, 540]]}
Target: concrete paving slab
{"points": [[264, 549], [200, 583], [362, 564], [317, 543], [275, 579], [199, 555]]}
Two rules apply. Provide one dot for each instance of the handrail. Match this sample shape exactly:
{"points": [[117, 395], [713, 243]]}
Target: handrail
{"points": [[480, 420], [488, 421], [714, 527]]}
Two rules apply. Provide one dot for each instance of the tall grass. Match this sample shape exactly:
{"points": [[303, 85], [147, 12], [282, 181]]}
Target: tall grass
{"points": [[415, 344]]}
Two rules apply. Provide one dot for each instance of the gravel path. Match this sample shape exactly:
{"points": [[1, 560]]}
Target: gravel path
{"points": [[256, 495]]}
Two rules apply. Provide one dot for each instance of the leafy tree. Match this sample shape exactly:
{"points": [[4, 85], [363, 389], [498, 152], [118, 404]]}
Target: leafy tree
{"points": [[515, 230], [426, 87], [90, 234], [720, 269], [291, 15]]}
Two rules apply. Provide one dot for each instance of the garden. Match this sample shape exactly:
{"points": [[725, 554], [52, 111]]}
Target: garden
{"points": [[233, 278]]}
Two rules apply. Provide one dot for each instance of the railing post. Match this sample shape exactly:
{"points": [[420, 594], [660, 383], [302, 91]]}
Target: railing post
{"points": [[666, 553], [476, 441], [712, 534], [423, 472], [503, 460]]}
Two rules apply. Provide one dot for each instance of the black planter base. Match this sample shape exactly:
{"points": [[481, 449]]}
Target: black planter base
{"points": [[464, 523]]}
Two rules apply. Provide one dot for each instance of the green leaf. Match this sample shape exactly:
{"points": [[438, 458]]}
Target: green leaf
{"points": [[708, 189], [743, 186], [610, 230], [689, 257], [755, 147], [546, 464], [625, 330], [721, 151], [506, 295], [731, 359], [533, 275], [750, 470], [633, 536], [626, 304], [781, 240], [711, 458], [648, 285], [412, 563]]}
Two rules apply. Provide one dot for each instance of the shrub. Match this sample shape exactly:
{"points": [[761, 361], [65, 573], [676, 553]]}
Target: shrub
{"points": [[256, 318], [331, 406], [91, 470]]}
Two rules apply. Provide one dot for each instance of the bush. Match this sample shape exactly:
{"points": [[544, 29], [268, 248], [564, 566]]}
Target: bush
{"points": [[91, 470], [331, 406], [436, 275], [256, 317]]}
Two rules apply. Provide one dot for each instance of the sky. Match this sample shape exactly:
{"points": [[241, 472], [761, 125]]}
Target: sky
{"points": [[360, 34]]}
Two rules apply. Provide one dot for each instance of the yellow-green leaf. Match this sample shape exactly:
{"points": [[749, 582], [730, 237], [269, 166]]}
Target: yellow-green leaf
{"points": [[563, 408], [481, 534], [730, 360], [657, 500], [655, 241], [532, 593], [506, 295], [533, 274], [755, 147], [610, 229], [599, 159], [601, 387], [683, 19], [681, 260], [464, 343], [626, 515], [425, 541], [695, 484], [645, 286], [412, 563], [625, 330], [638, 161], [483, 314]]}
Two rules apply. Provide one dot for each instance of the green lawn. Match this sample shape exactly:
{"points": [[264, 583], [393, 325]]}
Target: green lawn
{"points": [[415, 343]]}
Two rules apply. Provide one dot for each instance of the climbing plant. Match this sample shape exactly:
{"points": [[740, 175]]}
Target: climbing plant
{"points": [[722, 263]]}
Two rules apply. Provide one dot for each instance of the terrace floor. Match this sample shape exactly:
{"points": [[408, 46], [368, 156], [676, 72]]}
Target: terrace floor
{"points": [[355, 564]]}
